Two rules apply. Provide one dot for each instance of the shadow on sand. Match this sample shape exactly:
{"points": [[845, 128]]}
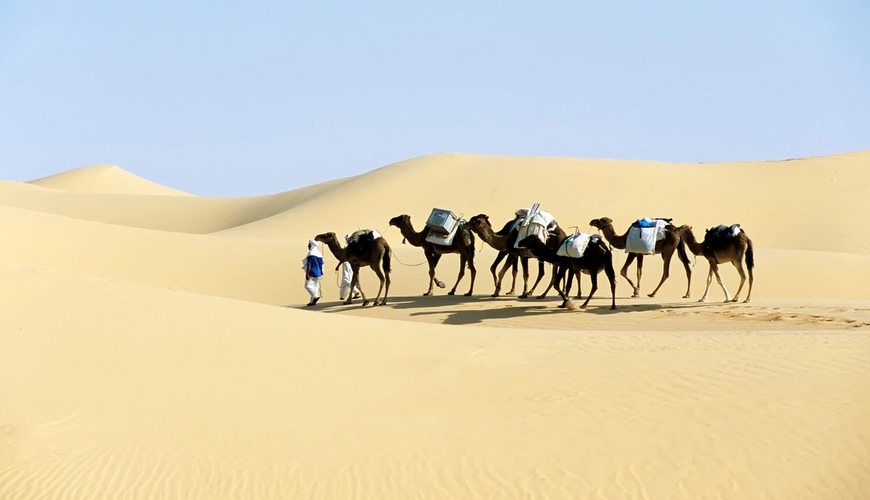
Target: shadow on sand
{"points": [[505, 307]]}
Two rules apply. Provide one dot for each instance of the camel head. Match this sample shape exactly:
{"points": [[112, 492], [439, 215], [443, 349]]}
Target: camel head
{"points": [[401, 220], [601, 223], [682, 229], [480, 217], [325, 237], [477, 222]]}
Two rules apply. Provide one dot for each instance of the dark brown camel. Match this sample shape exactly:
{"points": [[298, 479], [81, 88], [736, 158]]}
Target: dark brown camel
{"points": [[664, 247], [463, 244], [721, 246], [504, 243], [362, 253], [596, 257], [512, 263]]}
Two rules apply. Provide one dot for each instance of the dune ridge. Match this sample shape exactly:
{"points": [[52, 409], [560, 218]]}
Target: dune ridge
{"points": [[155, 344], [104, 179]]}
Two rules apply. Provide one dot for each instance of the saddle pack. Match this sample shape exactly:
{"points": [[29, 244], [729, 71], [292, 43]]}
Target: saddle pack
{"points": [[575, 245], [643, 235], [358, 240], [534, 222]]}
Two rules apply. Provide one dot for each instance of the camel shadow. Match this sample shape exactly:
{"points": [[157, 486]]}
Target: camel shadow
{"points": [[395, 302], [417, 302], [466, 317], [623, 308], [504, 307]]}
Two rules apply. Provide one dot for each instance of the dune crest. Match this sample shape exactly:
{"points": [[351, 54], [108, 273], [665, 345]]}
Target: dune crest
{"points": [[104, 179]]}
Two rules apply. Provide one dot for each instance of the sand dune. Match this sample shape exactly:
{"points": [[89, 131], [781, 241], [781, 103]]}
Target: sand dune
{"points": [[103, 179], [185, 214], [142, 354]]}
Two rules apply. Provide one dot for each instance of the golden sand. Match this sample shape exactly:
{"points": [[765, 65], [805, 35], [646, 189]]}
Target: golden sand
{"points": [[155, 344]]}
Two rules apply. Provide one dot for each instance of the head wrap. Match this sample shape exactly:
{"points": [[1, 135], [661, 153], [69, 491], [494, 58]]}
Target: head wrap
{"points": [[313, 250]]}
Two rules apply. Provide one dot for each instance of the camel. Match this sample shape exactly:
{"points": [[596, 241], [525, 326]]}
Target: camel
{"points": [[720, 247], [664, 247], [362, 253], [504, 243], [463, 244], [513, 264], [596, 257]]}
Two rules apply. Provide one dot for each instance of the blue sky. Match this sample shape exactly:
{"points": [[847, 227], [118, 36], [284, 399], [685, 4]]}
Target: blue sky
{"points": [[243, 98]]}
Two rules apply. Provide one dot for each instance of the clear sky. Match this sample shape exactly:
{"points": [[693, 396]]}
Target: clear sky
{"points": [[237, 98]]}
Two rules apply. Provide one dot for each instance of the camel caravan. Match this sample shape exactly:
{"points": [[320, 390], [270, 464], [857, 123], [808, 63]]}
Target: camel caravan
{"points": [[534, 234]]}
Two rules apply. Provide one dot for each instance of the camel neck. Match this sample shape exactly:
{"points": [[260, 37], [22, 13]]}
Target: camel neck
{"points": [[616, 241], [413, 237], [694, 246], [337, 251]]}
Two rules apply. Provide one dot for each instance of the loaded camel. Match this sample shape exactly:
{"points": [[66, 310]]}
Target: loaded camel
{"points": [[504, 241], [374, 253], [664, 247], [722, 245], [514, 265], [596, 257], [463, 244]]}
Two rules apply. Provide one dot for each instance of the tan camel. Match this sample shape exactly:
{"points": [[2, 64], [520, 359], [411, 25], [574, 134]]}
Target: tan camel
{"points": [[721, 246], [463, 244], [596, 257], [361, 253], [664, 247]]}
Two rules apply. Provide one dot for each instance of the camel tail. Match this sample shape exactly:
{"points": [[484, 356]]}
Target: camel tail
{"points": [[611, 274], [750, 256], [387, 260]]}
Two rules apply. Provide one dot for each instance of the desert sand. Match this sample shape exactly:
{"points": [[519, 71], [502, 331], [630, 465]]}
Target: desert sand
{"points": [[155, 344]]}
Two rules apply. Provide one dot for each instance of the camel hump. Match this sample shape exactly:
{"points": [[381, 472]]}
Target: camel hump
{"points": [[362, 236], [359, 241], [720, 235]]}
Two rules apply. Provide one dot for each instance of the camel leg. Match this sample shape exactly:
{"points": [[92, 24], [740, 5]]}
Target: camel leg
{"points": [[461, 274], [514, 270], [749, 263], [722, 284], [557, 284], [433, 262], [540, 276], [568, 281], [386, 286], [624, 273], [494, 266], [354, 282], [525, 264], [742, 273], [376, 267], [577, 274], [684, 258], [552, 281], [508, 264], [471, 270], [639, 274], [666, 271], [594, 276], [709, 282], [611, 275]]}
